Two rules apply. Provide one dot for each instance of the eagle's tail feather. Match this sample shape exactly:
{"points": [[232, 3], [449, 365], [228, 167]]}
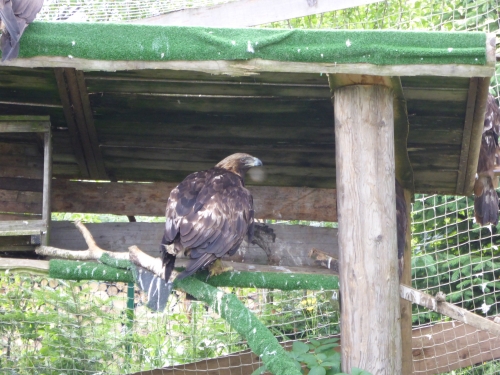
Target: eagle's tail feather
{"points": [[486, 205], [9, 19], [195, 264], [167, 258]]}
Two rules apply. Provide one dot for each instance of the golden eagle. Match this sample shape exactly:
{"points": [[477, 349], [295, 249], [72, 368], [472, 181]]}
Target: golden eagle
{"points": [[15, 16], [486, 198], [208, 215]]}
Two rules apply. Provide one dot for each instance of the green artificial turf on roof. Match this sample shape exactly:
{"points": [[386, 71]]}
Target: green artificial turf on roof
{"points": [[106, 41]]}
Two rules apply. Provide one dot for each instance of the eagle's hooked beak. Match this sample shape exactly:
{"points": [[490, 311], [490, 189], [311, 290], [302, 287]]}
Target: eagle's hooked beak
{"points": [[254, 162]]}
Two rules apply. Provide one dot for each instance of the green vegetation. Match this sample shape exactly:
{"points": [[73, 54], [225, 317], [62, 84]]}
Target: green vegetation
{"points": [[454, 255]]}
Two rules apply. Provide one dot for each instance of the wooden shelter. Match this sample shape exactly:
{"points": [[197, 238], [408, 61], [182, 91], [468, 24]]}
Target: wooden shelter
{"points": [[131, 103]]}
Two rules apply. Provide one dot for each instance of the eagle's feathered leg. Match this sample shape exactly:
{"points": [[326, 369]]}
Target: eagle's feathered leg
{"points": [[196, 264]]}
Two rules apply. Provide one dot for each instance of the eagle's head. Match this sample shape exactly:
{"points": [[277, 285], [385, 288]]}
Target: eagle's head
{"points": [[239, 163]]}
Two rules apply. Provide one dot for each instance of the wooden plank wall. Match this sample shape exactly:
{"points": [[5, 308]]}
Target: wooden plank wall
{"points": [[150, 199], [289, 247]]}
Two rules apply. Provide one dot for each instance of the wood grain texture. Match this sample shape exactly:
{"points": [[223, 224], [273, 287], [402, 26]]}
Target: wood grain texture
{"points": [[47, 184], [448, 309], [150, 199], [364, 138], [255, 66], [405, 306], [476, 131], [74, 138]]}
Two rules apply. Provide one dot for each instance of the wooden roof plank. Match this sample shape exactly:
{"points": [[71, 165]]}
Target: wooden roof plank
{"points": [[256, 66]]}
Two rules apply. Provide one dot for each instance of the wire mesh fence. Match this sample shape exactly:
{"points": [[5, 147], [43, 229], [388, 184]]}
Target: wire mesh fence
{"points": [[452, 254], [115, 11], [50, 326], [53, 327]]}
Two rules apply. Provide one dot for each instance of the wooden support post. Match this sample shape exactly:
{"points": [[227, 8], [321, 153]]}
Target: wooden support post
{"points": [[405, 305], [364, 141], [47, 182]]}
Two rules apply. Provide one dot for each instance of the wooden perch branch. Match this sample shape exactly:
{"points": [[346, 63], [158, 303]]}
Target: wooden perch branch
{"points": [[141, 259], [94, 252], [436, 304], [325, 260]]}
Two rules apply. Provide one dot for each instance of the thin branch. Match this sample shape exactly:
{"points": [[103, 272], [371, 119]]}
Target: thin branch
{"points": [[436, 304], [153, 265], [93, 252]]}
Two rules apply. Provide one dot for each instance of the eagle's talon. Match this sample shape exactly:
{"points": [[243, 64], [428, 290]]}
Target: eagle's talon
{"points": [[218, 267]]}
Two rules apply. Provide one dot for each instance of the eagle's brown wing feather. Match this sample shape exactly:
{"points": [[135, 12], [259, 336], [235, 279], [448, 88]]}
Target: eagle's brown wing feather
{"points": [[486, 198], [207, 215], [16, 14]]}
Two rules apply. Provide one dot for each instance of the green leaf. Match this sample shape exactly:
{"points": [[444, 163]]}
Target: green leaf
{"points": [[317, 370], [335, 357], [321, 356], [329, 341], [316, 343], [309, 359], [329, 364], [322, 348], [299, 347]]}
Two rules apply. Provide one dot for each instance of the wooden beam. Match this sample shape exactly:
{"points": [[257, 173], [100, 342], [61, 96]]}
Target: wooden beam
{"points": [[47, 183], [22, 228], [23, 184], [287, 246], [405, 306], [76, 143], [475, 131], [39, 267], [439, 305], [24, 124], [42, 266], [466, 135], [364, 141], [404, 171], [89, 125], [256, 66], [244, 13], [150, 199], [79, 118]]}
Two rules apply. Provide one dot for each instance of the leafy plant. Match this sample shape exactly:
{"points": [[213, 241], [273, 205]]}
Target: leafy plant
{"points": [[316, 358]]}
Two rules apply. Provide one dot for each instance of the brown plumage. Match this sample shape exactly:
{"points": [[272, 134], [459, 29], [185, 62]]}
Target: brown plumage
{"points": [[208, 215], [15, 16], [486, 198]]}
